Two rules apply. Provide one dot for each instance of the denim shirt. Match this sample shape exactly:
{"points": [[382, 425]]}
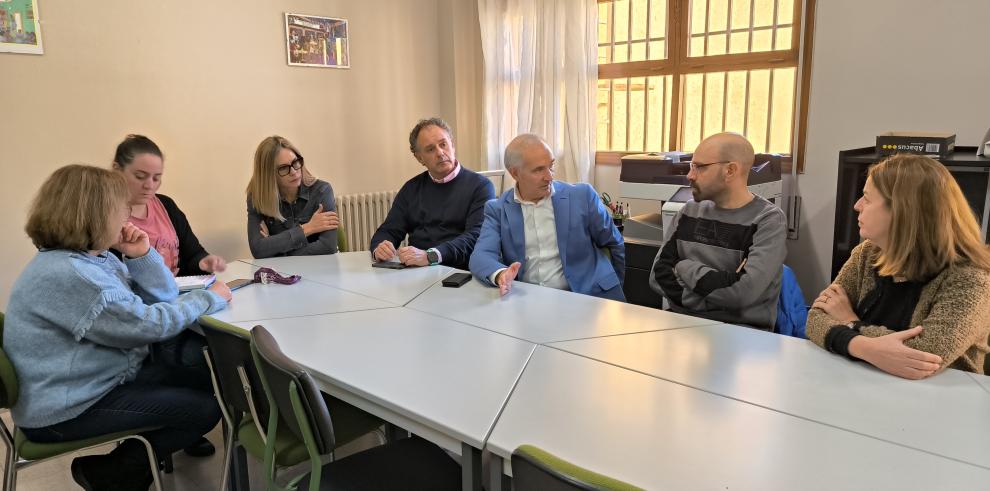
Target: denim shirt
{"points": [[287, 238]]}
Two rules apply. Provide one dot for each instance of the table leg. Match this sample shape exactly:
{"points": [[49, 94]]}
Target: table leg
{"points": [[471, 474], [497, 480]]}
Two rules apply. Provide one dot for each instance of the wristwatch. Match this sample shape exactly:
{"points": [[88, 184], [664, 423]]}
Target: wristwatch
{"points": [[433, 256]]}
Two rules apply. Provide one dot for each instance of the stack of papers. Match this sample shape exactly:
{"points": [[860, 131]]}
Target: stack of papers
{"points": [[190, 283]]}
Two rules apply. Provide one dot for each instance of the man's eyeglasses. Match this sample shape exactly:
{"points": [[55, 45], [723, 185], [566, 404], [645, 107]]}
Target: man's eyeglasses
{"points": [[697, 166], [284, 170]]}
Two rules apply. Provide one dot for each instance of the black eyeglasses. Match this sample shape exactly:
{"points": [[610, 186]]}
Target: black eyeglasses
{"points": [[284, 170], [697, 166]]}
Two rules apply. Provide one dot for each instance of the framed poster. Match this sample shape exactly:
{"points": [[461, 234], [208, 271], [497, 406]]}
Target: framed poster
{"points": [[316, 41], [20, 29]]}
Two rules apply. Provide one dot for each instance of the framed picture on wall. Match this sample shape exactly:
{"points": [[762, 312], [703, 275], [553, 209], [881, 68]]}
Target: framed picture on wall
{"points": [[316, 41], [20, 29]]}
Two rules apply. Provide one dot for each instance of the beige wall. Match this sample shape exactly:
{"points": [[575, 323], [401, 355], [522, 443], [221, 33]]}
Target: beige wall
{"points": [[208, 83]]}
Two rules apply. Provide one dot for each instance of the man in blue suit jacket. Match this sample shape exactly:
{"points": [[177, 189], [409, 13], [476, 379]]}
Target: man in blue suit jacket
{"points": [[548, 232]]}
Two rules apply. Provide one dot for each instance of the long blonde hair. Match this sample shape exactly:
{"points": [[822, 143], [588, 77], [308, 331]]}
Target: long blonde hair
{"points": [[262, 190], [932, 227]]}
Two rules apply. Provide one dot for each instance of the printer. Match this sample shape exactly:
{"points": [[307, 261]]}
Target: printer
{"points": [[662, 177]]}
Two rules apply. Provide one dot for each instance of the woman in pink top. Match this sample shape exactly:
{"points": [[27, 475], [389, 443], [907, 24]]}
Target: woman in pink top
{"points": [[142, 163]]}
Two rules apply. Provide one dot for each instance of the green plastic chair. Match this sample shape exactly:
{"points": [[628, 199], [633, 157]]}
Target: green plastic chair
{"points": [[341, 239], [244, 405], [299, 409], [536, 469], [22, 452]]}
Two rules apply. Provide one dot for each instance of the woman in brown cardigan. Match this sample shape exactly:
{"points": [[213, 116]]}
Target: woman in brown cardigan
{"points": [[914, 297]]}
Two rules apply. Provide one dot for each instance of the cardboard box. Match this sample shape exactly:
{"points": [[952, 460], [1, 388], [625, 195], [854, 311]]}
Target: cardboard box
{"points": [[937, 145]]}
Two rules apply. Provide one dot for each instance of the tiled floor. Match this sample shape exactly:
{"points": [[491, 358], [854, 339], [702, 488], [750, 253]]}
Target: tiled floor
{"points": [[191, 474]]}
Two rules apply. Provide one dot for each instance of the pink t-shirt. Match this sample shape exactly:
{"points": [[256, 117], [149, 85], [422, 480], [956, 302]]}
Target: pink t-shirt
{"points": [[161, 233]]}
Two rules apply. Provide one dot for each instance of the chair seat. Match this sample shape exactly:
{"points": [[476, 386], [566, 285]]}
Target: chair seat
{"points": [[31, 450], [349, 424], [408, 464]]}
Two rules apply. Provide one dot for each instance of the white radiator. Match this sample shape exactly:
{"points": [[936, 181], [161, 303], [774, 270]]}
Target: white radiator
{"points": [[361, 214]]}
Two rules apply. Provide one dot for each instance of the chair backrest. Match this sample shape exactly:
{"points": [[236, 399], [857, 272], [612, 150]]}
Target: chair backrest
{"points": [[8, 377], [232, 363], [497, 177], [536, 469], [292, 394], [341, 239], [792, 312]]}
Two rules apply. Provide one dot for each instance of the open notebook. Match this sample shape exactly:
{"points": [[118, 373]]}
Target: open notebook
{"points": [[189, 283]]}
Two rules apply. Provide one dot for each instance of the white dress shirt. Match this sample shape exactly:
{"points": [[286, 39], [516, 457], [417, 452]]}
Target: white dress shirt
{"points": [[543, 265]]}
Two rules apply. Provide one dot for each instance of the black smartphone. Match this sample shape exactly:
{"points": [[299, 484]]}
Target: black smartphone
{"points": [[457, 280], [239, 283], [388, 264]]}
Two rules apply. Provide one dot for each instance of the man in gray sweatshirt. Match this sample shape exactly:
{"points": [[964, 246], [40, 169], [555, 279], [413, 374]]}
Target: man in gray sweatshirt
{"points": [[723, 255]]}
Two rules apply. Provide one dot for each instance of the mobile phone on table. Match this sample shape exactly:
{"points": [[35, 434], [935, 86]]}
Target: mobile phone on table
{"points": [[388, 264], [456, 280], [239, 283]]}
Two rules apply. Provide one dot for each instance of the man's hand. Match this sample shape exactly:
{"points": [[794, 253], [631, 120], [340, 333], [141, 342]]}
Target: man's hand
{"points": [[411, 256], [213, 263], [385, 251], [889, 354], [321, 221], [133, 241], [504, 279]]}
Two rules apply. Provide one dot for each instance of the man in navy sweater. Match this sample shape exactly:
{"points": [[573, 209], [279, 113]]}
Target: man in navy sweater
{"points": [[441, 209]]}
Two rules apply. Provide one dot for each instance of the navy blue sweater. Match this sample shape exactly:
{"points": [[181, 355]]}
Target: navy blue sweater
{"points": [[445, 216]]}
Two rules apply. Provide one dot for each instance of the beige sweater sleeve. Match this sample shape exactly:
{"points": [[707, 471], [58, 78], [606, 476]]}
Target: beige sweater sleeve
{"points": [[850, 279], [956, 317]]}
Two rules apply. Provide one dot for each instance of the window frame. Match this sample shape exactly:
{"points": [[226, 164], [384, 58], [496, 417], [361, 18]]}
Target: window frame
{"points": [[678, 64]]}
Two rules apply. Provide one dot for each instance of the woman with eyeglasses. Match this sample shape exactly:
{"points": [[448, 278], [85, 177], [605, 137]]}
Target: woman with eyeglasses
{"points": [[912, 298], [290, 212]]}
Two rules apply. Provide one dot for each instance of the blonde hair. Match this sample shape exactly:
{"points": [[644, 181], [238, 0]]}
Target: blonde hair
{"points": [[72, 209], [932, 226], [263, 190]]}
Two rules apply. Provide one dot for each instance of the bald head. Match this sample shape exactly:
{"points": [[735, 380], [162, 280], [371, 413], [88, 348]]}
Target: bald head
{"points": [[728, 147], [517, 149]]}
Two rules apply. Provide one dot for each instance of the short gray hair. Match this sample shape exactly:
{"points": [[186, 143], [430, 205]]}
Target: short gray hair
{"points": [[514, 150], [423, 123]]}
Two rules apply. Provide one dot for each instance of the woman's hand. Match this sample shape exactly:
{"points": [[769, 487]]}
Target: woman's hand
{"points": [[264, 230], [133, 241], [889, 354], [321, 221], [221, 288], [213, 264], [834, 301]]}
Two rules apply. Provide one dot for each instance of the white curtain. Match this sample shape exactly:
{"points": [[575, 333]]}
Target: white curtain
{"points": [[541, 69]]}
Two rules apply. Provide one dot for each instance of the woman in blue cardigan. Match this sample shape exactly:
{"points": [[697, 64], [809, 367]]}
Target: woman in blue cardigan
{"points": [[79, 323]]}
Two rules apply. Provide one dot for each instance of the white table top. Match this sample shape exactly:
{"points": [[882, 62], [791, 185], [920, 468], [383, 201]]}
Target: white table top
{"points": [[948, 414], [543, 315], [352, 271], [258, 302], [983, 380], [435, 373], [660, 435]]}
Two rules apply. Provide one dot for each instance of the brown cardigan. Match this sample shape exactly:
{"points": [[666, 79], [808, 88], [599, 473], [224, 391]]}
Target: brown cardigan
{"points": [[954, 309]]}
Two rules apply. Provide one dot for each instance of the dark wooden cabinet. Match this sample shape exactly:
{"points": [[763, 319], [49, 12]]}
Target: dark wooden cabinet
{"points": [[971, 172], [639, 267]]}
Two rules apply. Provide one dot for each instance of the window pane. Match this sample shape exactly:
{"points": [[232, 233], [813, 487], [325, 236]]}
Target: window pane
{"points": [[656, 123], [744, 26], [783, 38], [602, 114], [658, 18], [658, 50], [739, 42], [691, 126], [637, 114], [713, 103], [785, 12], [762, 40], [763, 12], [698, 20], [621, 53], [735, 106], [604, 53], [716, 44], [639, 19], [637, 51], [604, 22], [782, 116], [620, 21], [740, 14], [756, 113], [619, 113], [718, 13]]}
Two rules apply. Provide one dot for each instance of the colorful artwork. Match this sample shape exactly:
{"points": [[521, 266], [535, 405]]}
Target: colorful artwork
{"points": [[20, 30], [316, 41]]}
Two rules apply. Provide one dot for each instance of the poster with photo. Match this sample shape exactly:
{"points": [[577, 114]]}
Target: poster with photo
{"points": [[20, 29], [316, 41]]}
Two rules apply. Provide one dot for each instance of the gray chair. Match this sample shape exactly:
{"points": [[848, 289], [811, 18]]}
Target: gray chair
{"points": [[497, 177]]}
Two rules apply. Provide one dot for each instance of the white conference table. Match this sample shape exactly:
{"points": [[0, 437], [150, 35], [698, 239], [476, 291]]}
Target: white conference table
{"points": [[983, 380], [259, 301], [658, 434], [352, 271], [542, 315], [948, 414], [440, 379]]}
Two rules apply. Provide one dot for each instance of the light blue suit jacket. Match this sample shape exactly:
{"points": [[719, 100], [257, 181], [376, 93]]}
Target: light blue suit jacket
{"points": [[584, 226]]}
